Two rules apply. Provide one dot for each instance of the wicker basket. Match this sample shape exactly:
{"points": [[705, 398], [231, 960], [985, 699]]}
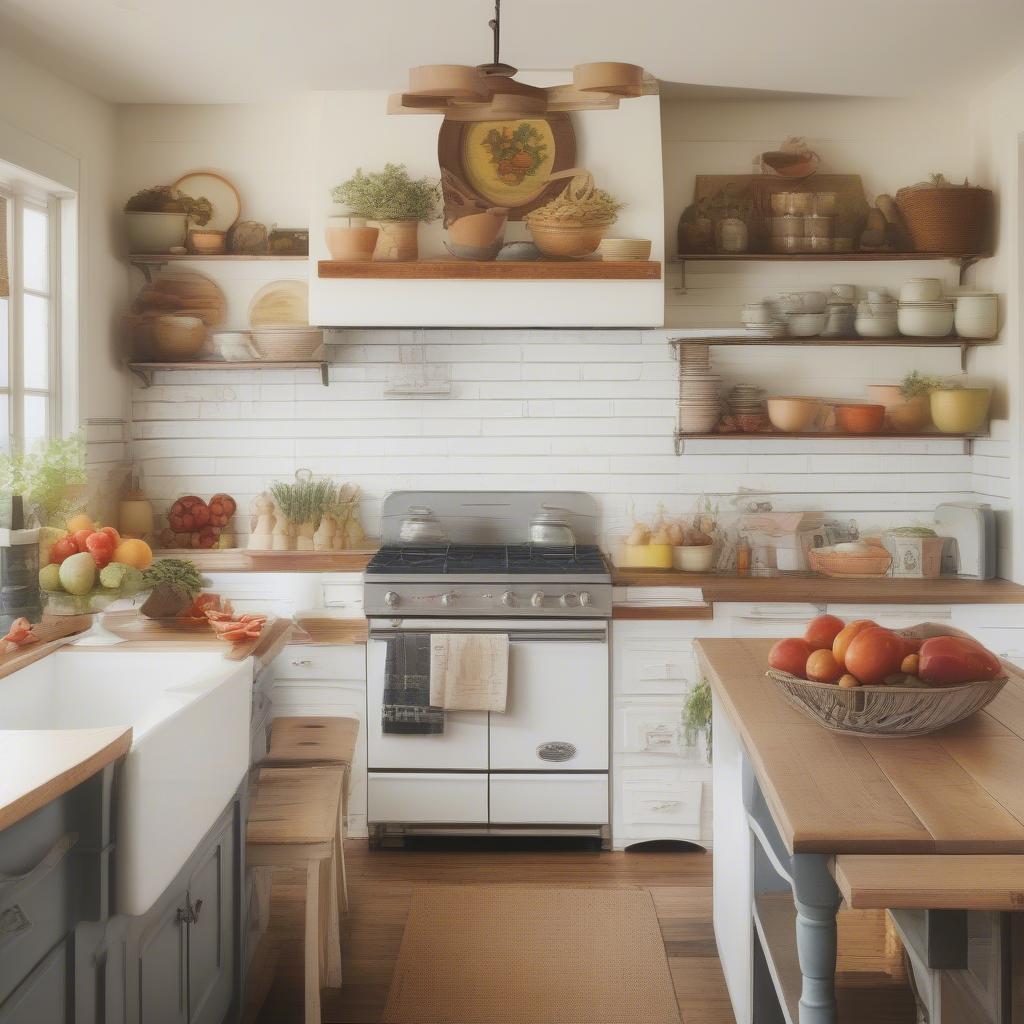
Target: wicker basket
{"points": [[957, 221], [893, 711], [850, 566]]}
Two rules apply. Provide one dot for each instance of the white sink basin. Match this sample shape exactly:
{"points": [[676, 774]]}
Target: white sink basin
{"points": [[189, 712]]}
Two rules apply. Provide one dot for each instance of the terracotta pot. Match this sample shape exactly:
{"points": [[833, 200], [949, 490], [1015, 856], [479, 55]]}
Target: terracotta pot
{"points": [[178, 337], [960, 410], [480, 230], [567, 240], [904, 415], [397, 239], [347, 243], [860, 418]]}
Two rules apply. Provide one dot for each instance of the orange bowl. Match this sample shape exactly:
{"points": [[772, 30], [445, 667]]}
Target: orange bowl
{"points": [[860, 418]]}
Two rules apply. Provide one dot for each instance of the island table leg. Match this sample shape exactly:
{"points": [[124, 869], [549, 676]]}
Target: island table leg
{"points": [[817, 902]]}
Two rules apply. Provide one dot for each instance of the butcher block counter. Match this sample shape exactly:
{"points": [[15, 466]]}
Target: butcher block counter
{"points": [[791, 799]]}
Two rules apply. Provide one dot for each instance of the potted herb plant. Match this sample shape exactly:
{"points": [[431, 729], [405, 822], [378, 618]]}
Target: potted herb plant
{"points": [[907, 404], [697, 719], [158, 218], [393, 203]]}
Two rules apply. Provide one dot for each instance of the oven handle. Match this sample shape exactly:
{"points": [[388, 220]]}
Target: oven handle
{"points": [[521, 636]]}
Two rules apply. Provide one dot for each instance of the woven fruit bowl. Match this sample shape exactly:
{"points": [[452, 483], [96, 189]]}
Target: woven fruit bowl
{"points": [[888, 711]]}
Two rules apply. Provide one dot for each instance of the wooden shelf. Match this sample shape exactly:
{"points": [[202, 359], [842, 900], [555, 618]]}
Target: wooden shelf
{"points": [[246, 560], [145, 371], [820, 435], [828, 257], [494, 270], [223, 257]]}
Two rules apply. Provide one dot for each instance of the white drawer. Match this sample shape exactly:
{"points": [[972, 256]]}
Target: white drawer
{"points": [[768, 619], [334, 661], [427, 798], [549, 799], [345, 596], [655, 665], [661, 803], [894, 616], [650, 729], [318, 697]]}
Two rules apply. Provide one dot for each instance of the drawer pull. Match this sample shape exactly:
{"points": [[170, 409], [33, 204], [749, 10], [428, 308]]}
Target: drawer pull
{"points": [[302, 663], [556, 750], [666, 806], [13, 920], [189, 914]]}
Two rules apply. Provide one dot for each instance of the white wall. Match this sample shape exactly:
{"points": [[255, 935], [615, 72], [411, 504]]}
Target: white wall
{"points": [[590, 409]]}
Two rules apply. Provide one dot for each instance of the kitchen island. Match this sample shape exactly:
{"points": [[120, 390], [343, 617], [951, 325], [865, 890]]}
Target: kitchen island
{"points": [[790, 796]]}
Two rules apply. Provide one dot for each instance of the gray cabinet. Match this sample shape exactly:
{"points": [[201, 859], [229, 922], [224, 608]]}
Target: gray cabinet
{"points": [[180, 959], [45, 995]]}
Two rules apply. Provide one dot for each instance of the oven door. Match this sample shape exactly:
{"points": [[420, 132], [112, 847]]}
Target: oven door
{"points": [[557, 718]]}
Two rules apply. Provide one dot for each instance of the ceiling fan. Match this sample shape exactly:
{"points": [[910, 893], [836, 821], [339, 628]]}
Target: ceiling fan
{"points": [[490, 92]]}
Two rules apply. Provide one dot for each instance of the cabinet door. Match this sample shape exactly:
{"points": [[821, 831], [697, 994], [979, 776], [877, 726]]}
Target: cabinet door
{"points": [[44, 997], [162, 965], [210, 946]]}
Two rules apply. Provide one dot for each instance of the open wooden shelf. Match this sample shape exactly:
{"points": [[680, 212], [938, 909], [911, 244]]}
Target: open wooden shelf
{"points": [[145, 370], [253, 560], [819, 435], [493, 270], [221, 257], [829, 257]]}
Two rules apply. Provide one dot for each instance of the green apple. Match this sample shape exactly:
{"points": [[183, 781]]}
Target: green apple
{"points": [[78, 573]]}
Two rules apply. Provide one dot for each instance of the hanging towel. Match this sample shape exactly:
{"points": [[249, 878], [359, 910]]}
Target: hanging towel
{"points": [[469, 671], [406, 707]]}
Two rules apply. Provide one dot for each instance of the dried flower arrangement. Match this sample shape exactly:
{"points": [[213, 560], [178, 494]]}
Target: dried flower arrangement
{"points": [[389, 195], [165, 199]]}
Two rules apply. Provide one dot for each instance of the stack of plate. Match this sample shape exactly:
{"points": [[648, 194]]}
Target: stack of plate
{"points": [[762, 320], [625, 249], [699, 392], [747, 408]]}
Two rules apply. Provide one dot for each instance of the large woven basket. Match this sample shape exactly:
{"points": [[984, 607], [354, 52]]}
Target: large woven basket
{"points": [[958, 221], [888, 711], [851, 566]]}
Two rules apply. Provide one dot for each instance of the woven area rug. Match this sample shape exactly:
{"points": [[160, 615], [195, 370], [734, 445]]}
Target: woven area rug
{"points": [[531, 955]]}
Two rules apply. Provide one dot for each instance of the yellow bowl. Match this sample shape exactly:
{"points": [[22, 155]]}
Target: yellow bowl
{"points": [[960, 410], [644, 556]]}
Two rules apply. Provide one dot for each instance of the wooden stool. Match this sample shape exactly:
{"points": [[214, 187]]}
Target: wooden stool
{"points": [[294, 823], [326, 740]]}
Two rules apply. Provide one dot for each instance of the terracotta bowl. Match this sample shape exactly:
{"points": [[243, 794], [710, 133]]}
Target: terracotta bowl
{"points": [[793, 415], [860, 418], [567, 241], [177, 337], [207, 243], [904, 415]]}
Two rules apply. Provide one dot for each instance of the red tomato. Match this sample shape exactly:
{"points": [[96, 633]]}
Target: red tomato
{"points": [[951, 660], [790, 656], [873, 654], [64, 548], [112, 534], [81, 536], [101, 547]]}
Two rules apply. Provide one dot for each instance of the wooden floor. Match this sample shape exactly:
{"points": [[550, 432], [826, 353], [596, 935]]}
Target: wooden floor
{"points": [[871, 976]]}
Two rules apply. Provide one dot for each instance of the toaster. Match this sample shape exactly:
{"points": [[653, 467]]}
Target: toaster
{"points": [[969, 531]]}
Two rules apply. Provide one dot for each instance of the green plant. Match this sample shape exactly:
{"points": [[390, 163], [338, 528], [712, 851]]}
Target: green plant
{"points": [[178, 573], [46, 477], [388, 195], [305, 500], [697, 713], [916, 384], [165, 199]]}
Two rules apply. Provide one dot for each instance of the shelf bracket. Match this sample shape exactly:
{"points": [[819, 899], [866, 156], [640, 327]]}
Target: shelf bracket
{"points": [[324, 377], [680, 444], [148, 266], [681, 290], [964, 349], [965, 263], [145, 376]]}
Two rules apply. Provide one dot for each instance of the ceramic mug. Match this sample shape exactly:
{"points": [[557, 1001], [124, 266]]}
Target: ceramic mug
{"points": [[843, 292]]}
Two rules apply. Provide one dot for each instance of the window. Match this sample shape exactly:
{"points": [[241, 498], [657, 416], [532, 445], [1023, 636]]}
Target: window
{"points": [[29, 318]]}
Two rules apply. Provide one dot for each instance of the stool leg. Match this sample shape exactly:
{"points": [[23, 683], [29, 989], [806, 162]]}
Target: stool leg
{"points": [[341, 878], [330, 929], [312, 944]]}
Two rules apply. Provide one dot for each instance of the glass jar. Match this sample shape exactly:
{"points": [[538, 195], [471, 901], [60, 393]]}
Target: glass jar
{"points": [[819, 227], [732, 235], [787, 226]]}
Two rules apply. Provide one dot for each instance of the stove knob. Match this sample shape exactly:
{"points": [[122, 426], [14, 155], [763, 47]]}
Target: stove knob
{"points": [[538, 599], [391, 599], [568, 600], [584, 600], [448, 599], [508, 599]]}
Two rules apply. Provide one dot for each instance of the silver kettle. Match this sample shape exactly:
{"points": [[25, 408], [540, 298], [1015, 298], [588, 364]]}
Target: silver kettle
{"points": [[420, 526], [550, 527]]}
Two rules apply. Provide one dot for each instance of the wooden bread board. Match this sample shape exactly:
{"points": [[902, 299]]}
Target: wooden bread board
{"points": [[53, 632]]}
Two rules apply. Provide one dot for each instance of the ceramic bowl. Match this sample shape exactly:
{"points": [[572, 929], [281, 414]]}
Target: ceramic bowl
{"points": [[904, 415], [860, 418], [921, 289], [177, 337], [155, 232], [288, 343], [793, 415], [567, 240], [875, 326], [960, 410], [806, 325], [207, 243], [693, 557], [925, 321], [234, 345], [813, 302], [350, 243]]}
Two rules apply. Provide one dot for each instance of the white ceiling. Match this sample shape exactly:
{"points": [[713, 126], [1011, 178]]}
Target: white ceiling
{"points": [[207, 51]]}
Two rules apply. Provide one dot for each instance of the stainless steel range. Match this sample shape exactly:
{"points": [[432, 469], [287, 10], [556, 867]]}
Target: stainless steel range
{"points": [[516, 564]]}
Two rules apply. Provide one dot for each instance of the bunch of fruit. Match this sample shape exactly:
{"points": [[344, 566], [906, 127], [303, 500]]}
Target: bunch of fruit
{"points": [[194, 523], [88, 561], [862, 653]]}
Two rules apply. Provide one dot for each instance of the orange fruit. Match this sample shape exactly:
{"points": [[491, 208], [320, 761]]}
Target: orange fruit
{"points": [[822, 632], [80, 522], [842, 642], [822, 667], [134, 552]]}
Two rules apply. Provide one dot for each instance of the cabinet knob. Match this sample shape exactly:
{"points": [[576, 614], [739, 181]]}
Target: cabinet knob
{"points": [[391, 599], [538, 599]]}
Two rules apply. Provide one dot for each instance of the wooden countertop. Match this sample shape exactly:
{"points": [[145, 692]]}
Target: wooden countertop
{"points": [[822, 589], [955, 791], [37, 766], [244, 560]]}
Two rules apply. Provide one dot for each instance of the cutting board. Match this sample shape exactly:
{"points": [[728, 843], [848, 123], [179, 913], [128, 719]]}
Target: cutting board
{"points": [[53, 632]]}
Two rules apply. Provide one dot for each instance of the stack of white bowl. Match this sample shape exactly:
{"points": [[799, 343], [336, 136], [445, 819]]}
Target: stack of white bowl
{"points": [[877, 315], [699, 391], [923, 311], [804, 312], [976, 315], [761, 320]]}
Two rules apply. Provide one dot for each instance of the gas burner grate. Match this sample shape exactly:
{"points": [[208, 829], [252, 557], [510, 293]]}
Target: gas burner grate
{"points": [[488, 558]]}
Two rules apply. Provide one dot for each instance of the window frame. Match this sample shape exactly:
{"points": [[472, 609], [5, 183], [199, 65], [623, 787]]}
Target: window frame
{"points": [[19, 197]]}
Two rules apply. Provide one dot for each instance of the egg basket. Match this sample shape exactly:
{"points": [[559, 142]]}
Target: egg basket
{"points": [[852, 566], [888, 711]]}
